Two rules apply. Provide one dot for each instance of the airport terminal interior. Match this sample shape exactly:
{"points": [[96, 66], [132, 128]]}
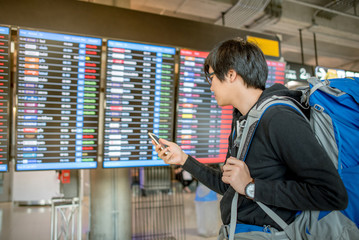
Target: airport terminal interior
{"points": [[82, 83]]}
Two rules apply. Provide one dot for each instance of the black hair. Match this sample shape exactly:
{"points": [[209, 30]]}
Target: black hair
{"points": [[244, 57]]}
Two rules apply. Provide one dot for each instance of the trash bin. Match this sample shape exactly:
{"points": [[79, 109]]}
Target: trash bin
{"points": [[206, 203]]}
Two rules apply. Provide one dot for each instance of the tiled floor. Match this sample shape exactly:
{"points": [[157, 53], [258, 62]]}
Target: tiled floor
{"points": [[24, 222], [34, 223]]}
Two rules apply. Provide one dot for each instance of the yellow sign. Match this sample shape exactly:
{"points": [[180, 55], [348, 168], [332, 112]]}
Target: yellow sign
{"points": [[269, 47]]}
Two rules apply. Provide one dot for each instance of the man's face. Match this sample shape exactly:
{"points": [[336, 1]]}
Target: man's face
{"points": [[219, 88]]}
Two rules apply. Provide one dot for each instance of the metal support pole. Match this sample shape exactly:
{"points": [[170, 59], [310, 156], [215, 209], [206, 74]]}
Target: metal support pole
{"points": [[355, 7], [315, 49], [301, 45], [81, 195], [111, 215]]}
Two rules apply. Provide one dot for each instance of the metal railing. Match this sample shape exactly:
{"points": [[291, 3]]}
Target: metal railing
{"points": [[65, 218]]}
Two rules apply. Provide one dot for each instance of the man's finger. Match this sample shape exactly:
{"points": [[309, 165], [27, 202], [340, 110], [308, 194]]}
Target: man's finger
{"points": [[232, 160], [227, 168], [235, 162], [165, 152], [225, 179]]}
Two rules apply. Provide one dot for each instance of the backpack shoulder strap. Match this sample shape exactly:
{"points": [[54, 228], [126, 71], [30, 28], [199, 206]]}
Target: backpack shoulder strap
{"points": [[323, 86], [273, 215], [245, 139], [255, 115]]}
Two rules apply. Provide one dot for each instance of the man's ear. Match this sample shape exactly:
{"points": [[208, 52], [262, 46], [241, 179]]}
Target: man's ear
{"points": [[232, 75]]}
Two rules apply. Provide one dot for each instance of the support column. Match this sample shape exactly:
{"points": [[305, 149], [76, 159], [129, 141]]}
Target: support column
{"points": [[110, 201]]}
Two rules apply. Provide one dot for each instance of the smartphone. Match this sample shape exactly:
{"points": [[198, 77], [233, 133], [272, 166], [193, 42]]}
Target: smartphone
{"points": [[156, 140]]}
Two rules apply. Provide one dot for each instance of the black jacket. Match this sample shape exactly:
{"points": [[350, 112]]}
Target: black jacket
{"points": [[291, 170]]}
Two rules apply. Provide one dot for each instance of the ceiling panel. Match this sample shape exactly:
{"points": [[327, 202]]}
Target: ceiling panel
{"points": [[204, 8], [338, 37], [162, 5]]}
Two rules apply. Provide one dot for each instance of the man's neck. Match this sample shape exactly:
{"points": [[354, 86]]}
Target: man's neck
{"points": [[247, 100]]}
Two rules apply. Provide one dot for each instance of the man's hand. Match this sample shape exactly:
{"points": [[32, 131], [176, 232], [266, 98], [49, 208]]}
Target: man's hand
{"points": [[236, 173], [173, 154]]}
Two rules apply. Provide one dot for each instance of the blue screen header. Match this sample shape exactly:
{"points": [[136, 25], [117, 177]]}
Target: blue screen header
{"points": [[4, 30], [141, 47], [60, 37]]}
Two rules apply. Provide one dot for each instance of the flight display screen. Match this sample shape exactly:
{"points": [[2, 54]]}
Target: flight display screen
{"points": [[276, 72], [203, 127], [58, 79], [4, 97], [329, 73], [139, 99]]}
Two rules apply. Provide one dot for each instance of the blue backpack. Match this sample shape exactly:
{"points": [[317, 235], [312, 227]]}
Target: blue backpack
{"points": [[334, 118], [336, 101]]}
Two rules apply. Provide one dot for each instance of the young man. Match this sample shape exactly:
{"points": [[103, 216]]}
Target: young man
{"points": [[285, 167]]}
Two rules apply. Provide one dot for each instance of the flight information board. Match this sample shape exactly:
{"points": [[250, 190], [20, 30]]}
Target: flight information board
{"points": [[58, 77], [4, 97], [202, 126], [276, 72], [298, 72], [139, 99], [329, 73]]}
